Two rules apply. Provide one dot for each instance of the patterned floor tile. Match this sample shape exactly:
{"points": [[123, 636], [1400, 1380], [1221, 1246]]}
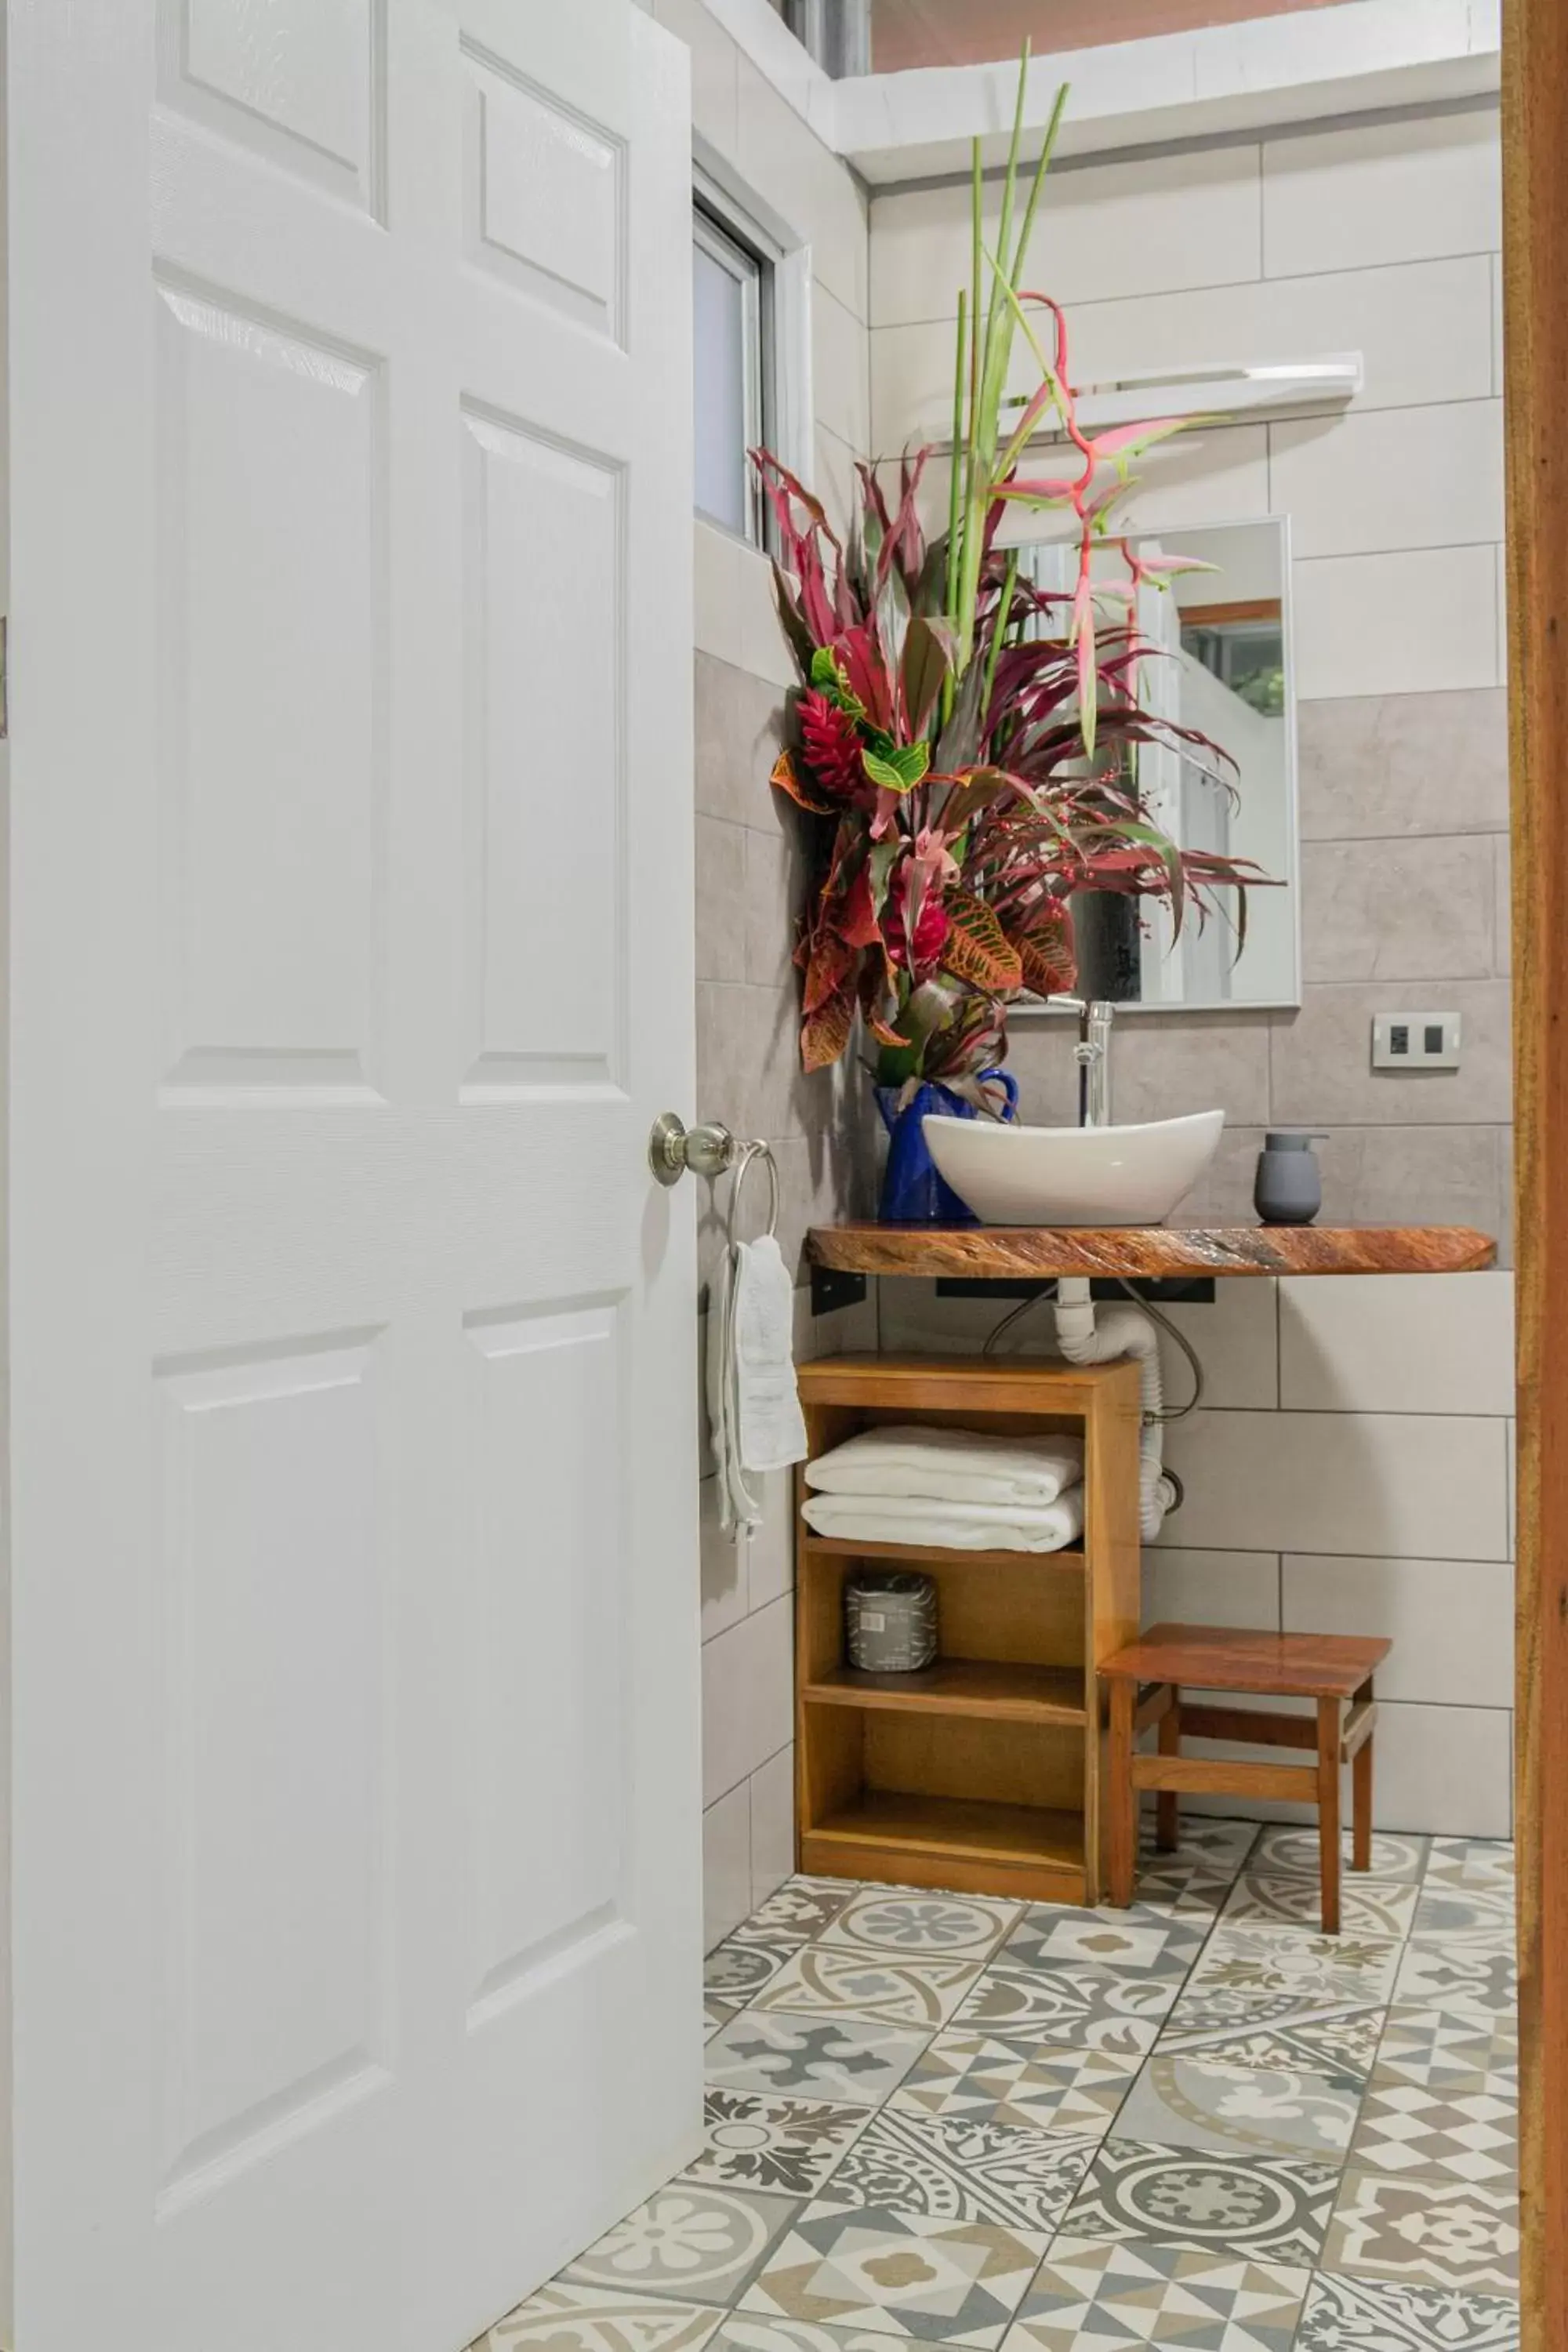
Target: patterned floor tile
{"points": [[1138, 1941], [1355, 2314], [716, 2012], [1180, 2101], [1452, 1915], [1439, 2048], [996, 2079], [1289, 1966], [1194, 1891], [1469, 1980], [1467, 2131], [758, 2140], [802, 1907], [919, 1927], [1091, 2008], [1341, 2042], [1429, 2233], [689, 2239], [1200, 1838], [738, 1968], [569, 2318], [869, 1985], [898, 2274], [1369, 1907], [1276, 2208], [1094, 2296], [1471, 1861], [746, 2331], [826, 2057], [1297, 1850], [956, 2170]]}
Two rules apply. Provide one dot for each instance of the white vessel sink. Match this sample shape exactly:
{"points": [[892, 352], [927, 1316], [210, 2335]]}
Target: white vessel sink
{"points": [[1073, 1175]]}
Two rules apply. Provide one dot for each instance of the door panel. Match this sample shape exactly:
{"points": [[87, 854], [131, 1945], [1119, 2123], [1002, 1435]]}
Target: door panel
{"points": [[355, 1805]]}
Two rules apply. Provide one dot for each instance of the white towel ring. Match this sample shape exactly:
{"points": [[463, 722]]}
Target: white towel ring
{"points": [[745, 1153]]}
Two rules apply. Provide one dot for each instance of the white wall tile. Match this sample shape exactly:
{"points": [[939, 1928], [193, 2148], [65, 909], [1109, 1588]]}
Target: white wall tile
{"points": [[754, 619], [1444, 1771], [1396, 477], [771, 1562], [1212, 1587], [839, 378], [1217, 474], [1401, 191], [1404, 1486], [773, 1824], [1107, 229], [1450, 1621], [726, 1866], [715, 572], [714, 75], [1407, 623], [1408, 1343], [748, 1698], [806, 186]]}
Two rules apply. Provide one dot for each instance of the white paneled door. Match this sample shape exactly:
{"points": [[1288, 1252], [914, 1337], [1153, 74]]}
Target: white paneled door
{"points": [[355, 1919]]}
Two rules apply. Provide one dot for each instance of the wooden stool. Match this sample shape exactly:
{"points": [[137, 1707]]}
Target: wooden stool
{"points": [[1330, 1668]]}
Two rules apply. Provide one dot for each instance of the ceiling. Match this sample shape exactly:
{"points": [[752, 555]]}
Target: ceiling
{"points": [[912, 32]]}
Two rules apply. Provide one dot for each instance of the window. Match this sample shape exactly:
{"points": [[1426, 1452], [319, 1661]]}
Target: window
{"points": [[732, 332]]}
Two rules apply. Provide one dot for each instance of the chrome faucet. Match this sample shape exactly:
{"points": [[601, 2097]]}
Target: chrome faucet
{"points": [[1092, 1054]]}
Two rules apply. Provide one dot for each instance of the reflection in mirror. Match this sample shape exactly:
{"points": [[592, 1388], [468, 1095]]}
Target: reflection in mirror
{"points": [[1221, 667]]}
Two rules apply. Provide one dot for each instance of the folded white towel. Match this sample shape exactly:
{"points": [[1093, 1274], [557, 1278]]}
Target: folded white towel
{"points": [[956, 1527], [753, 1402], [956, 1465]]}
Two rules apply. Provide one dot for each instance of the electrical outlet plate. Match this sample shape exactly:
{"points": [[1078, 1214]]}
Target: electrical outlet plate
{"points": [[1415, 1041]]}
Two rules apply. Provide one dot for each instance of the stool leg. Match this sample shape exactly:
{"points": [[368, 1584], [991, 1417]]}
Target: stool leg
{"points": [[1329, 1810], [1123, 1826], [1361, 1795], [1166, 1827]]}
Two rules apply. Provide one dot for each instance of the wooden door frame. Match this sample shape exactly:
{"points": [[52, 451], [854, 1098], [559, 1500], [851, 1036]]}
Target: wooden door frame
{"points": [[1535, 265]]}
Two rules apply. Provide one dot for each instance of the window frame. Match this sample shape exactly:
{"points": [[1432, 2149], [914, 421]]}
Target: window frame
{"points": [[752, 272], [785, 258]]}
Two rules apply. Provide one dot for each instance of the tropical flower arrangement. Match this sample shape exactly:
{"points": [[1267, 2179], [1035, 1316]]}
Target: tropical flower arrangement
{"points": [[966, 740]]}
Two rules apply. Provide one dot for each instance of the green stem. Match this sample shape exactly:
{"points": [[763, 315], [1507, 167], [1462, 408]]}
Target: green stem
{"points": [[993, 651]]}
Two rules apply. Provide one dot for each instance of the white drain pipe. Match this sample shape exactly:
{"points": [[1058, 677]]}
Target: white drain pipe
{"points": [[1122, 1331]]}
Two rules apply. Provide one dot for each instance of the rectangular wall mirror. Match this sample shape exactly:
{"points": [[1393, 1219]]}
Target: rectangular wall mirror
{"points": [[1224, 667]]}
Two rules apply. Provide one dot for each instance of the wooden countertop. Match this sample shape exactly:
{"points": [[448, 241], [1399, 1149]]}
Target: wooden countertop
{"points": [[1007, 1252]]}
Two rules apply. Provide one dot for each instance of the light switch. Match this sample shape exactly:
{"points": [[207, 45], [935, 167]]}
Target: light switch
{"points": [[1415, 1041]]}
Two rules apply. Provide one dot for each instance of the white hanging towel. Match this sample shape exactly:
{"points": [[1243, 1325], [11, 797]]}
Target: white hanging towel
{"points": [[753, 1405], [953, 1465]]}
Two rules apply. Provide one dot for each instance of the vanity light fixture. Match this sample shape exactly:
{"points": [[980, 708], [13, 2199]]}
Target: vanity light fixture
{"points": [[1221, 389]]}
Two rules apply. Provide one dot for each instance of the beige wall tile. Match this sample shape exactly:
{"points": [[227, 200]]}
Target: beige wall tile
{"points": [[1413, 1175], [740, 721], [1414, 1343], [812, 189], [1107, 229], [1404, 763], [835, 482], [1502, 922], [1444, 1771], [1390, 192], [714, 79], [1161, 1067], [1207, 475], [1405, 1485], [726, 1866], [1212, 1587], [775, 897], [1416, 910], [1450, 1621], [1223, 1195], [1322, 1056], [1395, 477], [721, 936], [773, 1824], [840, 386], [748, 1701], [726, 1593], [1418, 623]]}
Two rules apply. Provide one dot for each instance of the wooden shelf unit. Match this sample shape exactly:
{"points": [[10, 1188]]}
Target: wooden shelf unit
{"points": [[983, 1773]]}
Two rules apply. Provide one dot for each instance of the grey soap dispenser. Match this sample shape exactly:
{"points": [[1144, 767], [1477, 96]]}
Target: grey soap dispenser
{"points": [[1290, 1187]]}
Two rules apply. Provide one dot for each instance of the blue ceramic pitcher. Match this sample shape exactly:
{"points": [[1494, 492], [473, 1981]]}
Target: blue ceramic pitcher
{"points": [[912, 1191]]}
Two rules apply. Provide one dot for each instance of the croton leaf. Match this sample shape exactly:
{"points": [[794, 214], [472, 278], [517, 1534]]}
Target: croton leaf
{"points": [[787, 778], [855, 916], [825, 1034], [1047, 955], [831, 961], [898, 769], [977, 948]]}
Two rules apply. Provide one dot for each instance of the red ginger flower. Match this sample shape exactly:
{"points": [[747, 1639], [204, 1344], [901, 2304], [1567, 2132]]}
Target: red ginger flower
{"points": [[830, 745]]}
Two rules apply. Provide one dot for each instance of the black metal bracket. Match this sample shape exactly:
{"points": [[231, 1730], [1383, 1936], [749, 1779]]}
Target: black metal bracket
{"points": [[1165, 1290], [830, 1289]]}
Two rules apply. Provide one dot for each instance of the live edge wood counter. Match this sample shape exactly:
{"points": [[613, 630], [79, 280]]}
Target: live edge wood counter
{"points": [[983, 1772], [1008, 1253]]}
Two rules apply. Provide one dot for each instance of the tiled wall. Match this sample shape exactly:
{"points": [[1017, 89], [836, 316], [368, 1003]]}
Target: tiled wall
{"points": [[1382, 239], [1348, 1472], [748, 881]]}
